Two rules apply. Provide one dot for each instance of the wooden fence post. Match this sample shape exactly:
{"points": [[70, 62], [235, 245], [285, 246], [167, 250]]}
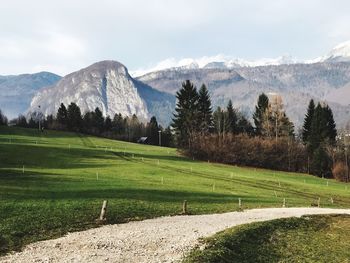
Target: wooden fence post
{"points": [[103, 212], [184, 207]]}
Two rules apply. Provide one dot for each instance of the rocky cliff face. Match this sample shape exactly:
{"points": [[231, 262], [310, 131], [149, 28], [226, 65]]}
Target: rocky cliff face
{"points": [[105, 84]]}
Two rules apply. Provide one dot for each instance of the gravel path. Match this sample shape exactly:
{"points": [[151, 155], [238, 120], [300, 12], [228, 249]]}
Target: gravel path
{"points": [[164, 239]]}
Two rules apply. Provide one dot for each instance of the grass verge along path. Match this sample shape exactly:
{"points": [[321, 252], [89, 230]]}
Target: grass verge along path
{"points": [[307, 239]]}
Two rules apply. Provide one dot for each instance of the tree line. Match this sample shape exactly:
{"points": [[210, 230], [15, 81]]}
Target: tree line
{"points": [[93, 122], [227, 135]]}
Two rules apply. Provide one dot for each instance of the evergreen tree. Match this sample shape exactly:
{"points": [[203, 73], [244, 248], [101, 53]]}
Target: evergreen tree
{"points": [[307, 121], [323, 128], [108, 124], [205, 118], [62, 115], [331, 126], [74, 119], [88, 124], [317, 131], [322, 134], [21, 121], [231, 118], [260, 109], [153, 131], [3, 119], [167, 138], [244, 126], [98, 120], [134, 128], [321, 164], [118, 124], [32, 123], [185, 121]]}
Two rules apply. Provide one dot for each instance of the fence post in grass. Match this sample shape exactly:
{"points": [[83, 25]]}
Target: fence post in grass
{"points": [[102, 217], [319, 202], [184, 207], [327, 182], [332, 201], [284, 202], [239, 202], [279, 183], [213, 187], [275, 193], [96, 175]]}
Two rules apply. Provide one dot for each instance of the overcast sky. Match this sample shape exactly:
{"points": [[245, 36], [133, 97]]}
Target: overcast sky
{"points": [[62, 36]]}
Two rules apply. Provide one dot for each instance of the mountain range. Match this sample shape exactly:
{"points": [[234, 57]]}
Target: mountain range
{"points": [[109, 86], [18, 91], [340, 53]]}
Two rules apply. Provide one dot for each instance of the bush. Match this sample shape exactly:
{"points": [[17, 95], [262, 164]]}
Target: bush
{"points": [[284, 154], [340, 172]]}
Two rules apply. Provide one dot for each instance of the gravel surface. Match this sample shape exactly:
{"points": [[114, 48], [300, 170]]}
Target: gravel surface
{"points": [[165, 239]]}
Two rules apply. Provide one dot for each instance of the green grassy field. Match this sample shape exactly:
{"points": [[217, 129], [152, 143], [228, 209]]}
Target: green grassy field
{"points": [[67, 176], [307, 239]]}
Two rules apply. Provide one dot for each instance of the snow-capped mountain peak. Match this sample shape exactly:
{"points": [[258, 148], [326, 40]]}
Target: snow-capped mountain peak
{"points": [[218, 61], [340, 53]]}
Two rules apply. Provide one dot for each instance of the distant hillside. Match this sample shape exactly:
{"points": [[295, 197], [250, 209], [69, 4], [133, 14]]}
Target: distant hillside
{"points": [[18, 91], [297, 83]]}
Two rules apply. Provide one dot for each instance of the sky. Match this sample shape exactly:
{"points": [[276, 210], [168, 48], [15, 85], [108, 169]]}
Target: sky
{"points": [[62, 36]]}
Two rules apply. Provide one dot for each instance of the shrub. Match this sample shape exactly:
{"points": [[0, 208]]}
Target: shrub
{"points": [[284, 154], [340, 172]]}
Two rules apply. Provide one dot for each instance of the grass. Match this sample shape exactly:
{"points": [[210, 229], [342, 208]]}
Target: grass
{"points": [[306, 239], [59, 190]]}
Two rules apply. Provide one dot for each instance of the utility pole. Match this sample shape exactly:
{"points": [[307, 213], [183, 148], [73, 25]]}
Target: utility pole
{"points": [[346, 158], [39, 115], [160, 137]]}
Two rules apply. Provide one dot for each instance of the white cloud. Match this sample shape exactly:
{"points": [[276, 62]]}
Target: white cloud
{"points": [[65, 35]]}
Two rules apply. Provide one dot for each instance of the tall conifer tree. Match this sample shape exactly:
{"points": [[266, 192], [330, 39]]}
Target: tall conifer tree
{"points": [[205, 118], [260, 109], [231, 118], [185, 121], [307, 121]]}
